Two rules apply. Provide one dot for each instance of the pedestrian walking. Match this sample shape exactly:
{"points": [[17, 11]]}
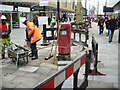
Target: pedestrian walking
{"points": [[49, 21], [33, 36], [107, 25], [5, 31], [112, 26], [90, 19], [101, 25], [53, 21]]}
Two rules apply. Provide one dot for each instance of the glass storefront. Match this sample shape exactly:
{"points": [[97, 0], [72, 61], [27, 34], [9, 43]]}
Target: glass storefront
{"points": [[64, 3]]}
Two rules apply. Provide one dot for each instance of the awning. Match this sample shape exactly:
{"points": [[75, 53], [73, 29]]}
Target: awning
{"points": [[32, 3]]}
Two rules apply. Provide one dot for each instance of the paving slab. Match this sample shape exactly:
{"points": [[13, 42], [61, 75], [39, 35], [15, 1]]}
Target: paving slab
{"points": [[20, 73], [63, 63], [8, 78], [108, 78], [96, 84], [48, 65], [44, 70], [28, 68]]}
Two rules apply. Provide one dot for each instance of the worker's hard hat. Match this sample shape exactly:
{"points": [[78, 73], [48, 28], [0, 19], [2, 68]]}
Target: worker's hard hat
{"points": [[3, 17]]}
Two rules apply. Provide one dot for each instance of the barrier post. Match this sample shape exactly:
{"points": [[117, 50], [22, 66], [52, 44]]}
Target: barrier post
{"points": [[79, 37], [75, 80], [94, 56], [74, 35], [84, 83], [59, 87]]}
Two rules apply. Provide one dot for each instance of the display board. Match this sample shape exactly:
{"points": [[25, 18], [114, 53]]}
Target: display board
{"points": [[42, 20], [20, 21]]}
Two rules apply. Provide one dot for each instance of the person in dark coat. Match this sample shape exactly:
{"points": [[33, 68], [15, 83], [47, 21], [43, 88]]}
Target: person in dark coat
{"points": [[107, 25], [112, 26], [101, 25]]}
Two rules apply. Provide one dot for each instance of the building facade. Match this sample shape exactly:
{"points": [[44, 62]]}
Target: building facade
{"points": [[15, 10]]}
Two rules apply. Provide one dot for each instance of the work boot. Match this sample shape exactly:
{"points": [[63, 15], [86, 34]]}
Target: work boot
{"points": [[9, 56], [35, 55], [33, 58]]}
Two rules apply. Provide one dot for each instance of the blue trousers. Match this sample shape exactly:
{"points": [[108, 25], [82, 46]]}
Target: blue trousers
{"points": [[111, 32]]}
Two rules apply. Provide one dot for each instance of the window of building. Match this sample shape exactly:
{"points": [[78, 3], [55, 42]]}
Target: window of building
{"points": [[70, 4], [64, 3], [54, 2]]}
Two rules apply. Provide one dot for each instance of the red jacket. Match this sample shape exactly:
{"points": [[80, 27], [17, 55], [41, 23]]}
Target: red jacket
{"points": [[3, 29]]}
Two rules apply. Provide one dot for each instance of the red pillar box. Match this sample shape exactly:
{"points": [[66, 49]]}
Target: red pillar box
{"points": [[64, 41]]}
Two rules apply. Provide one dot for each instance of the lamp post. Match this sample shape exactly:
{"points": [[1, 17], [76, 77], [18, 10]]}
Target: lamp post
{"points": [[58, 15], [105, 5], [97, 9], [44, 28], [85, 10]]}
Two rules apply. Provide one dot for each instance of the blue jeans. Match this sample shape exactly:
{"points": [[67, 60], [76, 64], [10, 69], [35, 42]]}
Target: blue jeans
{"points": [[111, 32], [101, 29]]}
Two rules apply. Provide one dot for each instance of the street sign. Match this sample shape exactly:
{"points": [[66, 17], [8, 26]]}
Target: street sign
{"points": [[43, 20], [107, 9], [43, 2]]}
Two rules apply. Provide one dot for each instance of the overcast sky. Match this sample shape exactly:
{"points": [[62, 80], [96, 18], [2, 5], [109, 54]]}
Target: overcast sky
{"points": [[94, 3]]}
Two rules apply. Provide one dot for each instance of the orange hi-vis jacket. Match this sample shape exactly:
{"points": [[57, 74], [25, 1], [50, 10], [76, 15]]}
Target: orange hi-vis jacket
{"points": [[33, 32]]}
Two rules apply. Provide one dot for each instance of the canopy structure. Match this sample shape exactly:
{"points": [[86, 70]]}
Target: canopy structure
{"points": [[34, 4]]}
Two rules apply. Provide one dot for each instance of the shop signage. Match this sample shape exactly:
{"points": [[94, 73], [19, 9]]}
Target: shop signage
{"points": [[107, 9], [43, 2]]}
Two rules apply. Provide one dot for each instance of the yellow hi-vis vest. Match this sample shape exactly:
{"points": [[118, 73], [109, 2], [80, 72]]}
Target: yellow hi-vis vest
{"points": [[53, 20]]}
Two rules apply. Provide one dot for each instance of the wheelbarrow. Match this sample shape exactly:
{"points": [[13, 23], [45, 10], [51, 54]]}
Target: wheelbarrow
{"points": [[18, 53]]}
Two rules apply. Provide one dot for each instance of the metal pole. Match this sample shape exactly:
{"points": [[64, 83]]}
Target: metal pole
{"points": [[58, 15], [44, 28], [105, 5], [98, 10], [85, 10]]}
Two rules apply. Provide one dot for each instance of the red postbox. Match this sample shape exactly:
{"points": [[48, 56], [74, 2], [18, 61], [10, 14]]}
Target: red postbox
{"points": [[64, 40]]}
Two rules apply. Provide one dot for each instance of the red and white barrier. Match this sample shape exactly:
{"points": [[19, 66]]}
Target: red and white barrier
{"points": [[55, 80]]}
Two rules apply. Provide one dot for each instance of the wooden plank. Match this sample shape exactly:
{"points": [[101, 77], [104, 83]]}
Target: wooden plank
{"points": [[42, 47]]}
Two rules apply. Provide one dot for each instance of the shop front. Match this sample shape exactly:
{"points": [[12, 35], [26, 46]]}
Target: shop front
{"points": [[14, 14]]}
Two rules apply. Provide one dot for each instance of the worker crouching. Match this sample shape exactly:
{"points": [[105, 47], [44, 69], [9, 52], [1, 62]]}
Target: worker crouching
{"points": [[33, 36]]}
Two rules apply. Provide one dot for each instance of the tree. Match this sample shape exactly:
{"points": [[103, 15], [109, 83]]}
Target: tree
{"points": [[79, 12]]}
